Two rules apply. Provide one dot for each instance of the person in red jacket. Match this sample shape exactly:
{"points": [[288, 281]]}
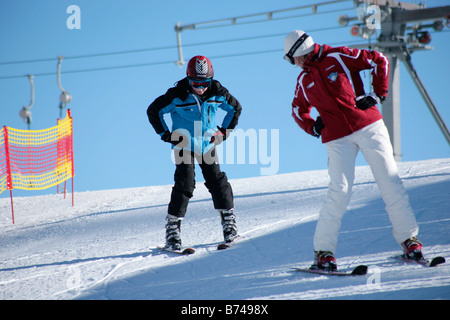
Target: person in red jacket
{"points": [[348, 121]]}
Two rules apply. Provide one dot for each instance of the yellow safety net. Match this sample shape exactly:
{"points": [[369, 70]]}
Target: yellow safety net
{"points": [[36, 159]]}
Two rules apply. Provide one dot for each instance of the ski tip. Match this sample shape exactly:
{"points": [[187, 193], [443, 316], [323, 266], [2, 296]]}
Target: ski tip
{"points": [[223, 246], [360, 270], [188, 251], [226, 245], [437, 260]]}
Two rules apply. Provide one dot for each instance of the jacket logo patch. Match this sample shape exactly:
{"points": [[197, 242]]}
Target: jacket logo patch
{"points": [[333, 76]]}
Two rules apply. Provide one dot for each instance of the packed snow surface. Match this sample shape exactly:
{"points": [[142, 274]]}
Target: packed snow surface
{"points": [[105, 247]]}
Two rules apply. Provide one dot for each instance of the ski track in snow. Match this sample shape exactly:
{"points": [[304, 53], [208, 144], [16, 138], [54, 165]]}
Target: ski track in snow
{"points": [[106, 246]]}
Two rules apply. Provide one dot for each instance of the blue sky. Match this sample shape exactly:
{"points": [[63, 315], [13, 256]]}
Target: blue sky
{"points": [[115, 146]]}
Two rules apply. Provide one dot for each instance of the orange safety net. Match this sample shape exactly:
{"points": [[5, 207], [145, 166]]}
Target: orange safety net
{"points": [[36, 159]]}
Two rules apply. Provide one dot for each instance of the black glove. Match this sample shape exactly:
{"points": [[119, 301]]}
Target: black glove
{"points": [[366, 101], [167, 137], [318, 126]]}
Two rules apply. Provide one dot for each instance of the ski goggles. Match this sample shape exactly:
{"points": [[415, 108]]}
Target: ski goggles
{"points": [[200, 83]]}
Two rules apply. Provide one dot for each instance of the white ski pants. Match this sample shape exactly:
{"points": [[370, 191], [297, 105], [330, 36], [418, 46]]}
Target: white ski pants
{"points": [[376, 147]]}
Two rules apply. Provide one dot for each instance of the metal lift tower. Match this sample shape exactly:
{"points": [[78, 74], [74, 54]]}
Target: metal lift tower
{"points": [[401, 33]]}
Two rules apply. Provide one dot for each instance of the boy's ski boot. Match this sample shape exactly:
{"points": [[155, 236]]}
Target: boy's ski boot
{"points": [[229, 225], [173, 238]]}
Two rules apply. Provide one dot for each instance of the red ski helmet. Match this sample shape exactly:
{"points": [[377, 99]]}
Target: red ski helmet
{"points": [[200, 67]]}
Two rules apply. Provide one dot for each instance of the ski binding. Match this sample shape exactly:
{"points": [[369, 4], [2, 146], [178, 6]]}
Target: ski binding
{"points": [[357, 271]]}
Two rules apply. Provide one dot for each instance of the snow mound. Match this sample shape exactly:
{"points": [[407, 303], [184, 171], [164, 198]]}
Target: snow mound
{"points": [[106, 246]]}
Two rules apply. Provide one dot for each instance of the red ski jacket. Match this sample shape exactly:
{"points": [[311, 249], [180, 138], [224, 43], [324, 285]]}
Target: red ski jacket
{"points": [[330, 82]]}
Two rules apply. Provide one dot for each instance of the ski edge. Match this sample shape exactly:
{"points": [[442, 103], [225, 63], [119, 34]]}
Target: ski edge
{"points": [[357, 271]]}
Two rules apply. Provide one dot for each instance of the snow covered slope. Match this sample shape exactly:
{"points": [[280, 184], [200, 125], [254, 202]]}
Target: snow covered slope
{"points": [[105, 246]]}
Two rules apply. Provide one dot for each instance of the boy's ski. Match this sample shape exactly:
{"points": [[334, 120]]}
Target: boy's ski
{"points": [[425, 262], [183, 251], [358, 271]]}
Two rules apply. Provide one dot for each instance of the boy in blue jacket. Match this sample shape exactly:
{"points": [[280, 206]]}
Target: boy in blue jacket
{"points": [[192, 105]]}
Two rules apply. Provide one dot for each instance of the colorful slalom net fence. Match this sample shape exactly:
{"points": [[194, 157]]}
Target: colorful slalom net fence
{"points": [[36, 159]]}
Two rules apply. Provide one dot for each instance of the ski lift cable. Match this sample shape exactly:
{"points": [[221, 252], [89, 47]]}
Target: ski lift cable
{"points": [[249, 38], [194, 27], [151, 49], [160, 62], [267, 14], [167, 62], [187, 45]]}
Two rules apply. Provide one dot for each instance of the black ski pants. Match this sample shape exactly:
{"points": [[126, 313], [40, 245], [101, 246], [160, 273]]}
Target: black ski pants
{"points": [[216, 181]]}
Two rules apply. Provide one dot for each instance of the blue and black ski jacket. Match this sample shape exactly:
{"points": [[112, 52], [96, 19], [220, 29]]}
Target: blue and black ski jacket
{"points": [[194, 116]]}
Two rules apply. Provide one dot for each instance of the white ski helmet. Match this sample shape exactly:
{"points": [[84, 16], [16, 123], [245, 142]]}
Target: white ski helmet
{"points": [[297, 43]]}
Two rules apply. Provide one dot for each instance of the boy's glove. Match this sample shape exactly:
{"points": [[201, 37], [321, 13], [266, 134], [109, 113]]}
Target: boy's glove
{"points": [[219, 136], [172, 138]]}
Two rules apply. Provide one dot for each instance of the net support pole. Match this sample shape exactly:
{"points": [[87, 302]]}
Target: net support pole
{"points": [[73, 200], [69, 114], [12, 206], [9, 185]]}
